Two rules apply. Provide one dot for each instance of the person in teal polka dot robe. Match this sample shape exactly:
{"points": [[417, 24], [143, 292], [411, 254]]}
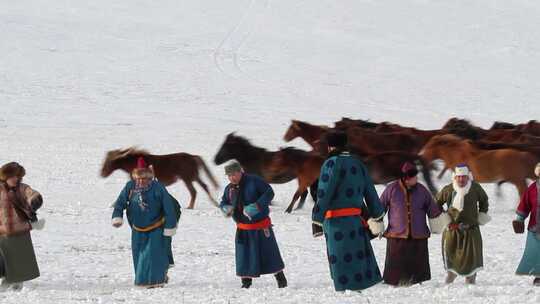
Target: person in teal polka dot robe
{"points": [[345, 183]]}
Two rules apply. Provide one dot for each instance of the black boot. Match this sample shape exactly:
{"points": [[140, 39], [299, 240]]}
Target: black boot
{"points": [[246, 282], [281, 280]]}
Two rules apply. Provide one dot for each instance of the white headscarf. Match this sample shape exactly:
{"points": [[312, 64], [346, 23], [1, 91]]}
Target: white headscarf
{"points": [[459, 198]]}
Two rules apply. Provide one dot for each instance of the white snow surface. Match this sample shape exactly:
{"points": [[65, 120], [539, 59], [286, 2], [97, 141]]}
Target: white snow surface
{"points": [[78, 78]]}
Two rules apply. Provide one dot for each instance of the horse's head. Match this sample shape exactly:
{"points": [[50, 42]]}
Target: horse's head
{"points": [[292, 131], [232, 147], [437, 145], [120, 159]]}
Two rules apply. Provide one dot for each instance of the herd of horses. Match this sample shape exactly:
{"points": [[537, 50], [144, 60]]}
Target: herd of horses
{"points": [[503, 153]]}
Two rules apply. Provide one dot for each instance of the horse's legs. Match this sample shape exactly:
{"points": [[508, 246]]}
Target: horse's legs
{"points": [[498, 191], [192, 192], [294, 199], [313, 188], [302, 199], [205, 188], [442, 173]]}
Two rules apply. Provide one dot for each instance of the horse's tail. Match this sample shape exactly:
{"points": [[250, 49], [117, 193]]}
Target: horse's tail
{"points": [[425, 168], [201, 163]]}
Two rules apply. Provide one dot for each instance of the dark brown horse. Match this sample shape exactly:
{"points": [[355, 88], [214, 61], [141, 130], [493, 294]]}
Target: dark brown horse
{"points": [[168, 169], [487, 166], [259, 161], [532, 127]]}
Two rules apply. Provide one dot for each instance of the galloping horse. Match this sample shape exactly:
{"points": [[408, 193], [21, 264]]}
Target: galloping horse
{"points": [[168, 169], [312, 134], [487, 166], [269, 165]]}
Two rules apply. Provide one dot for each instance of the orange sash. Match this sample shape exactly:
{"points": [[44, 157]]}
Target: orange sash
{"points": [[342, 212], [263, 224], [345, 212], [155, 225]]}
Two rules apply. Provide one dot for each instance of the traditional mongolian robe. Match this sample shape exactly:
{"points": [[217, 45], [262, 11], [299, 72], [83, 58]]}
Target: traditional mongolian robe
{"points": [[529, 207], [256, 249], [462, 241], [344, 184], [152, 216], [407, 256]]}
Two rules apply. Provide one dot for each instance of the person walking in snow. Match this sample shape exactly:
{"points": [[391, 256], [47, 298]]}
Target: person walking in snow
{"points": [[152, 216], [344, 184], [529, 206], [18, 206], [246, 198], [467, 205], [407, 204]]}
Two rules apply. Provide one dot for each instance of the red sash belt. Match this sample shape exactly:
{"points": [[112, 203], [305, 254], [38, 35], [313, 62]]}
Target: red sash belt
{"points": [[345, 212], [263, 224]]}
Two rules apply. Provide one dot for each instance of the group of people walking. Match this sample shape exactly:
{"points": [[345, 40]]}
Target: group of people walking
{"points": [[348, 213], [457, 212]]}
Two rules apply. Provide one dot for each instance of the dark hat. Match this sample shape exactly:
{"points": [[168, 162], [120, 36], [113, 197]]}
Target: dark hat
{"points": [[336, 139], [408, 170], [233, 167], [142, 170], [10, 170]]}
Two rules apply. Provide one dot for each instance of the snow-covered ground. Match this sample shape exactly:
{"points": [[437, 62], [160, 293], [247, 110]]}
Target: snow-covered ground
{"points": [[78, 78]]}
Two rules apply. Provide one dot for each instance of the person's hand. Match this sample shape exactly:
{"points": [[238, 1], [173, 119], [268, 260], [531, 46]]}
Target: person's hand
{"points": [[519, 226], [317, 230], [117, 222], [38, 225], [227, 210]]}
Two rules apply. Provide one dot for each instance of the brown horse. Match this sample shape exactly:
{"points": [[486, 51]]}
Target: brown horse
{"points": [[259, 161], [312, 134], [366, 142], [487, 166], [307, 167], [168, 168]]}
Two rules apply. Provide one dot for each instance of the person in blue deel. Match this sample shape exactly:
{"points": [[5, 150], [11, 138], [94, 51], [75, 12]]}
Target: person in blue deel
{"points": [[246, 199], [152, 216], [344, 185]]}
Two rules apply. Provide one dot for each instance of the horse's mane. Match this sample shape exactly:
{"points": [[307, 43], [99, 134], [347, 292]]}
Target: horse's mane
{"points": [[115, 155], [307, 124], [347, 122], [462, 128], [242, 141]]}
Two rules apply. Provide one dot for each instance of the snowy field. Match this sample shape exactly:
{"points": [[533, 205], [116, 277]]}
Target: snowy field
{"points": [[78, 78]]}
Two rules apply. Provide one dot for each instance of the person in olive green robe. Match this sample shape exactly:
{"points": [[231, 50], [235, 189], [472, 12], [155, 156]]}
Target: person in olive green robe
{"points": [[467, 205]]}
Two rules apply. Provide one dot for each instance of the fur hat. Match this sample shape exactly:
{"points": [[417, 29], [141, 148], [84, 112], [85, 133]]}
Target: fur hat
{"points": [[10, 170], [461, 170], [233, 167], [336, 139], [142, 170], [408, 169], [537, 170]]}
